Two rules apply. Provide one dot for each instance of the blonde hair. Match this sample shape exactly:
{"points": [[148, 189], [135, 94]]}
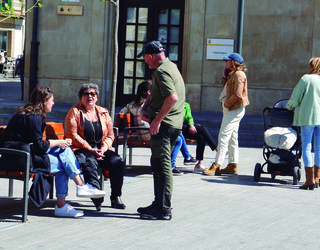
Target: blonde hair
{"points": [[314, 63], [238, 66]]}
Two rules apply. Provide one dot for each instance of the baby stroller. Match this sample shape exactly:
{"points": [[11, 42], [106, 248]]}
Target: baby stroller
{"points": [[282, 144]]}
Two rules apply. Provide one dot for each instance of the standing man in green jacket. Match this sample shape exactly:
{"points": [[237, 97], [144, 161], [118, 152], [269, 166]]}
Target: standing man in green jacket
{"points": [[164, 112]]}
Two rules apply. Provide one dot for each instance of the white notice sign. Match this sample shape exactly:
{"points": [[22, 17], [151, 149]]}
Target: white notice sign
{"points": [[217, 48]]}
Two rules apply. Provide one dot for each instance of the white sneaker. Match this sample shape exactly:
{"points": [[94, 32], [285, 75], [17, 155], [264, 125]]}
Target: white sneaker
{"points": [[67, 211], [199, 168], [89, 191]]}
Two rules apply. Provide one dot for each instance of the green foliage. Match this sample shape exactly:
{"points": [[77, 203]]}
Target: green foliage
{"points": [[7, 11]]}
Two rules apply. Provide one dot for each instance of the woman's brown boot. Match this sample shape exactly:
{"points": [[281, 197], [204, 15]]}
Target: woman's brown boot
{"points": [[213, 170], [309, 184], [316, 176]]}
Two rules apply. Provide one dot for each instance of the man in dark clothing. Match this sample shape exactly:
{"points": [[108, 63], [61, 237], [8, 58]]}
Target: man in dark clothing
{"points": [[164, 112]]}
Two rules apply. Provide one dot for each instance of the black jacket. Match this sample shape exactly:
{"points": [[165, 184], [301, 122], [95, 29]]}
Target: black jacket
{"points": [[29, 129]]}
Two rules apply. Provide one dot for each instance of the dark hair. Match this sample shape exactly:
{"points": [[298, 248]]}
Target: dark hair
{"points": [[86, 86], [36, 104], [142, 92]]}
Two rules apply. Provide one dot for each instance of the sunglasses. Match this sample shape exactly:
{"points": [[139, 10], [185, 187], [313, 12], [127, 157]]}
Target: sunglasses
{"points": [[86, 94]]}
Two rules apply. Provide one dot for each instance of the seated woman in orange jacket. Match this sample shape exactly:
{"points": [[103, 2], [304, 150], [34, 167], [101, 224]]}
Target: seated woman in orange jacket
{"points": [[91, 130]]}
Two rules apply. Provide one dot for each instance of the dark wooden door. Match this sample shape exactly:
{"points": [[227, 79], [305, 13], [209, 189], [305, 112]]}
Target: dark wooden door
{"points": [[142, 21]]}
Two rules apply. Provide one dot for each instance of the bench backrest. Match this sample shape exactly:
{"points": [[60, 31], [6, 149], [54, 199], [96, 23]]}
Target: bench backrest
{"points": [[53, 130], [124, 121]]}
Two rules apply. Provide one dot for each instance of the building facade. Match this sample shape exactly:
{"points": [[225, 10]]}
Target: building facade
{"points": [[12, 29], [82, 40]]}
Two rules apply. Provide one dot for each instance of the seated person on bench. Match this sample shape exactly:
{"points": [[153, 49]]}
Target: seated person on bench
{"points": [[91, 129], [53, 156], [199, 133]]}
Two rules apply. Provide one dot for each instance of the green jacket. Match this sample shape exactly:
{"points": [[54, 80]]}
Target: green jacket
{"points": [[187, 116], [167, 80], [305, 99]]}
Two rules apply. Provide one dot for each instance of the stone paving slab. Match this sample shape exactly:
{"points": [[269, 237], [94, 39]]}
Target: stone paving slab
{"points": [[209, 212]]}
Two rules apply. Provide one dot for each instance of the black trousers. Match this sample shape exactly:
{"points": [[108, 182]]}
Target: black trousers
{"points": [[91, 171], [202, 136]]}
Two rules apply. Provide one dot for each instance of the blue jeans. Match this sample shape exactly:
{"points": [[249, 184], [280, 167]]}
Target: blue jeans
{"points": [[181, 145], [306, 138], [64, 165]]}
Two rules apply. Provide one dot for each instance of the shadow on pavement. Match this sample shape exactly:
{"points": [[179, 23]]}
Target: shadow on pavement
{"points": [[248, 180]]}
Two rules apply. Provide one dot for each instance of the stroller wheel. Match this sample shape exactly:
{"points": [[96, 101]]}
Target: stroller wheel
{"points": [[296, 175], [257, 172]]}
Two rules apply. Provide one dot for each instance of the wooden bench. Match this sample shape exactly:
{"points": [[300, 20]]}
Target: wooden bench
{"points": [[128, 136], [52, 131]]}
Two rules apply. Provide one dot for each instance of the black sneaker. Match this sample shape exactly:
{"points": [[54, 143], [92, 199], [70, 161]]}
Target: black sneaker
{"points": [[176, 172], [190, 161], [155, 214], [142, 210]]}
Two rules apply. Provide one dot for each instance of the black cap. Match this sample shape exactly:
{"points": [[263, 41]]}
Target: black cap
{"points": [[154, 47]]}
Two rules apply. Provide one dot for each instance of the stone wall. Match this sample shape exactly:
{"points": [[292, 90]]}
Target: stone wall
{"points": [[279, 37], [72, 49]]}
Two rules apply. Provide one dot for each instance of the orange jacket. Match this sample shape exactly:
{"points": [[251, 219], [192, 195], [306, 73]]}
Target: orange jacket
{"points": [[74, 127], [237, 91]]}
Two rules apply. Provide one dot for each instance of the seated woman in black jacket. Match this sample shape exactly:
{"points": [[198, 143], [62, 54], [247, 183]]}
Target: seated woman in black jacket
{"points": [[53, 156]]}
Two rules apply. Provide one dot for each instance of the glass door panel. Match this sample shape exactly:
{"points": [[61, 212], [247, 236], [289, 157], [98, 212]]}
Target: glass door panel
{"points": [[163, 34], [174, 34], [131, 15], [129, 54], [163, 16], [142, 33], [143, 15], [127, 86], [175, 17]]}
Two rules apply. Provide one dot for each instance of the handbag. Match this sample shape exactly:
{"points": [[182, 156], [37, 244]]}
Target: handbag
{"points": [[15, 162]]}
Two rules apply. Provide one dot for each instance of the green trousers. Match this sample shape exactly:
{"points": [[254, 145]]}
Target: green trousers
{"points": [[162, 145]]}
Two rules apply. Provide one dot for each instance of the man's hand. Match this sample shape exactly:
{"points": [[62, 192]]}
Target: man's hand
{"points": [[154, 127], [192, 130]]}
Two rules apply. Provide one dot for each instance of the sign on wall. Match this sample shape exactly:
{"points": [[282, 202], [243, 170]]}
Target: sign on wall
{"points": [[217, 48]]}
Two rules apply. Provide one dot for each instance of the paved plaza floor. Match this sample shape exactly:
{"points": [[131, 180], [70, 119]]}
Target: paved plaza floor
{"points": [[209, 212]]}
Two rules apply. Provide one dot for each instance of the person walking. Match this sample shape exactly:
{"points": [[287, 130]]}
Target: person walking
{"points": [[164, 111], [305, 100], [233, 98]]}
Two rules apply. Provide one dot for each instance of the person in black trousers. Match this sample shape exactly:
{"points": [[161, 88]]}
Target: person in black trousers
{"points": [[199, 133]]}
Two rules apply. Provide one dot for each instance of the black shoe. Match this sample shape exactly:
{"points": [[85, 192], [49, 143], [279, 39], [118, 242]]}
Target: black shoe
{"points": [[117, 203], [98, 207], [142, 210], [98, 203], [190, 161], [155, 214], [176, 172]]}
